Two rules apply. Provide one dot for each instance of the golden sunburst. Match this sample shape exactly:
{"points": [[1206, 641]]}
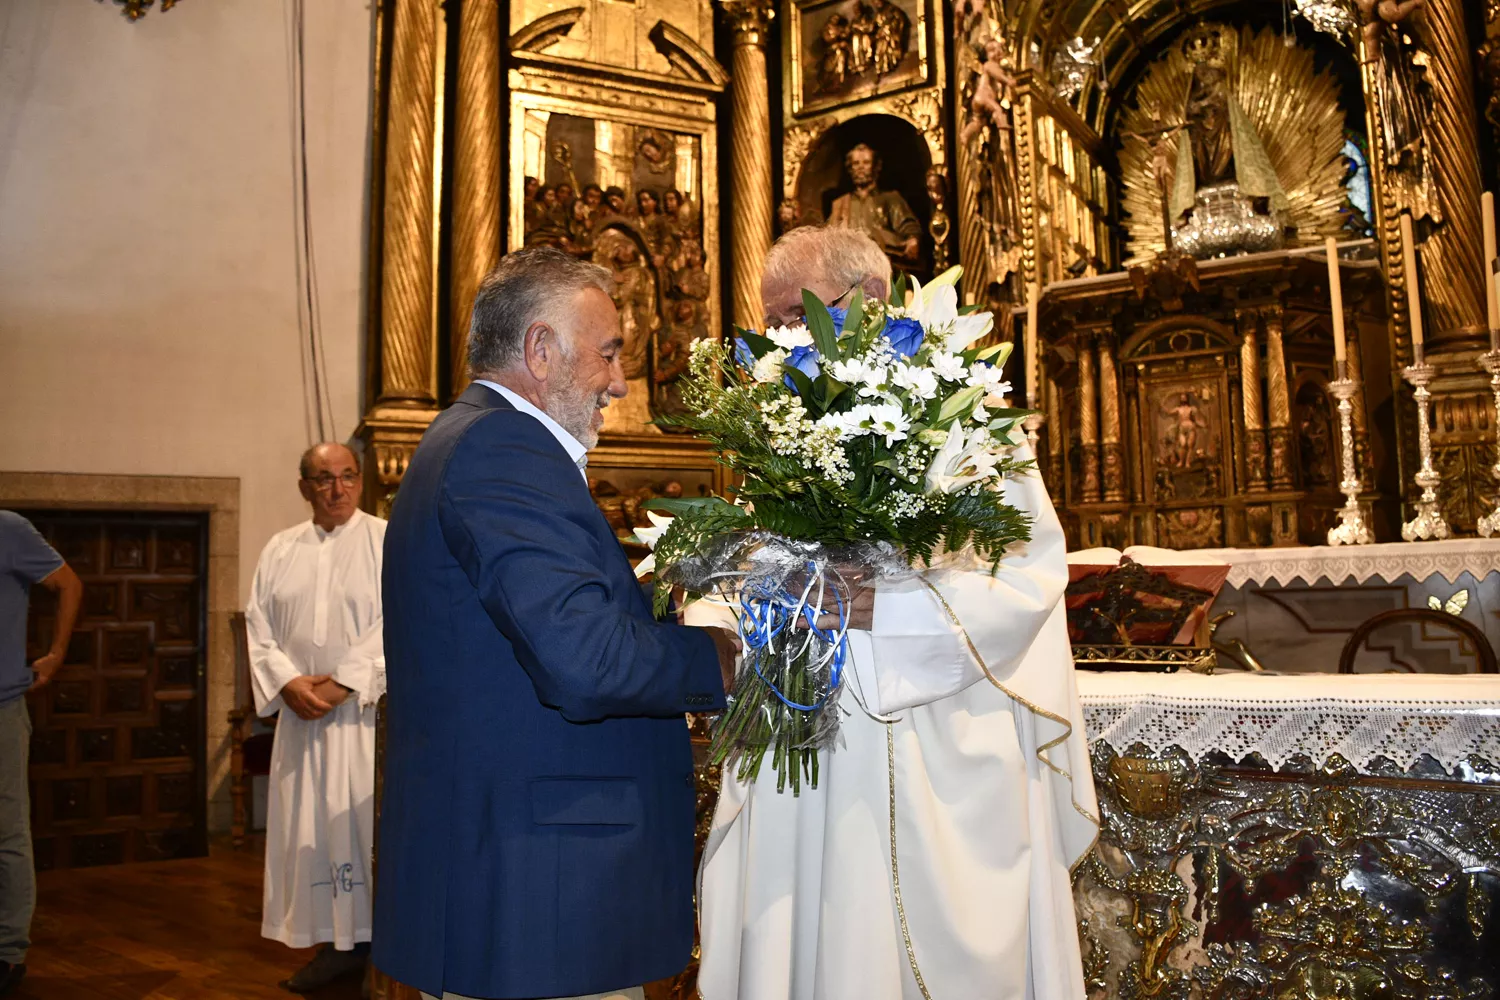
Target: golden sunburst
{"points": [[1294, 108]]}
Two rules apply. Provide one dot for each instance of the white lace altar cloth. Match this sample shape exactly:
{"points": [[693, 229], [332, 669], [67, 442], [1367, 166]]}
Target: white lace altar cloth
{"points": [[1341, 563], [1361, 717]]}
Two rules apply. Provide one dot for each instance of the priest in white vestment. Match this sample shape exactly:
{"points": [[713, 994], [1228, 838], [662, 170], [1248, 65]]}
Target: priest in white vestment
{"points": [[316, 656], [932, 861]]}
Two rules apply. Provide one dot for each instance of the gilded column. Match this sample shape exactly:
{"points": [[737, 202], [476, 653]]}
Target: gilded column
{"points": [[408, 356], [476, 171], [1279, 404], [1088, 427], [1111, 452], [1452, 257], [1360, 417], [1255, 424], [1056, 431], [750, 154]]}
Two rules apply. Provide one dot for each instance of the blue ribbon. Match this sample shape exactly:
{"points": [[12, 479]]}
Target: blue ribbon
{"points": [[766, 611]]}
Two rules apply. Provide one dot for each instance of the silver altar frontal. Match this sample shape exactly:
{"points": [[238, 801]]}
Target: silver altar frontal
{"points": [[1298, 836]]}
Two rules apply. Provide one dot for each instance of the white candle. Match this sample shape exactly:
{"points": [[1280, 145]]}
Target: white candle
{"points": [[1492, 294], [1336, 293], [1033, 362], [1413, 299]]}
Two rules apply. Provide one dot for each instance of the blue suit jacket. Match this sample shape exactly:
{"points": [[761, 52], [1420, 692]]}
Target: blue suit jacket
{"points": [[536, 831]]}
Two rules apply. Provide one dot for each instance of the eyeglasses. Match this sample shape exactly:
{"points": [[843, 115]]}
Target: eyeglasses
{"points": [[324, 483], [799, 315]]}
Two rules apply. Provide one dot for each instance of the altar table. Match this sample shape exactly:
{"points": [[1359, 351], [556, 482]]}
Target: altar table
{"points": [[1292, 837], [1295, 607]]}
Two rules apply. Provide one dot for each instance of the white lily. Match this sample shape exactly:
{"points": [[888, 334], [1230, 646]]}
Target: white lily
{"points": [[968, 329], [961, 461], [649, 537]]}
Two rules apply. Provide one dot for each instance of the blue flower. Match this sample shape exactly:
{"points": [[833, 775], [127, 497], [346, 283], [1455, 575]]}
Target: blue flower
{"points": [[805, 360], [838, 315], [905, 336], [743, 355]]}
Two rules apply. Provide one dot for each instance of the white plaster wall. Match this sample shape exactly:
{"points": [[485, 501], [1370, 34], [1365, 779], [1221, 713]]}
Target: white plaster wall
{"points": [[148, 292]]}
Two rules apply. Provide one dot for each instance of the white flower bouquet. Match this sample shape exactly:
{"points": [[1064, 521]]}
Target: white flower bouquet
{"points": [[865, 440]]}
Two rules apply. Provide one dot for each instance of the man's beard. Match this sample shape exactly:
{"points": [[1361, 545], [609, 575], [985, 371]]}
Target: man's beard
{"points": [[573, 407]]}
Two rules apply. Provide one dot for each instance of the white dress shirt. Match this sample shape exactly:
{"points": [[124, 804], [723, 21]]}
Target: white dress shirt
{"points": [[576, 451]]}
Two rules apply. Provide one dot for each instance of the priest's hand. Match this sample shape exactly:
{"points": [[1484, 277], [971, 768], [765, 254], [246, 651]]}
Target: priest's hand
{"points": [[728, 645], [300, 695], [857, 596], [331, 691]]}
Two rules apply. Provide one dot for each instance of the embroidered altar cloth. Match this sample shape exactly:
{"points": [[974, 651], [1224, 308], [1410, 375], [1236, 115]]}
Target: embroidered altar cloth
{"points": [[1358, 563], [1361, 717]]}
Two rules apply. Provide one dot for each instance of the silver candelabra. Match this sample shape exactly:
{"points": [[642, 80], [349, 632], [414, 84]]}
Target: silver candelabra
{"points": [[1429, 523], [1490, 361], [1351, 529]]}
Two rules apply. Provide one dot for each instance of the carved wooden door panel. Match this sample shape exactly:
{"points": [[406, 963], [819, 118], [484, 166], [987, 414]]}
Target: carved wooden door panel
{"points": [[117, 756]]}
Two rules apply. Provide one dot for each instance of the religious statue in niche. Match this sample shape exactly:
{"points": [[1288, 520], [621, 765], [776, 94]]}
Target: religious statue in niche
{"points": [[1224, 180], [1186, 441], [1316, 438], [1217, 157], [882, 215], [618, 196], [855, 49]]}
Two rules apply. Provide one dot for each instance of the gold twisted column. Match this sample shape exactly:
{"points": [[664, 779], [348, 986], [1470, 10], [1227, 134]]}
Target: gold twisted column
{"points": [[1279, 403], [749, 154], [1055, 431], [408, 356], [476, 172], [1111, 451], [1255, 424], [1088, 427], [1452, 257]]}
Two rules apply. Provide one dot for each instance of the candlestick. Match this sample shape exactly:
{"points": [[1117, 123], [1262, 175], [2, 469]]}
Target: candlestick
{"points": [[1033, 362], [1351, 529], [1413, 285], [1489, 263], [1032, 423], [1490, 524], [1336, 294], [1429, 523]]}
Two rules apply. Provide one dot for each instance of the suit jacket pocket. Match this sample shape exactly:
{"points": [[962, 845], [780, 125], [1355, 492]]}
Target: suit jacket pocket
{"points": [[585, 802]]}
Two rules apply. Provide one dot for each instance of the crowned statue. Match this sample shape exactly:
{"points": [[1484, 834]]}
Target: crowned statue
{"points": [[1225, 195]]}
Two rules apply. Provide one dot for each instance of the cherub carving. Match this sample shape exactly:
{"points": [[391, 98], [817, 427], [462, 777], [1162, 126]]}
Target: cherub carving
{"points": [[992, 93], [1377, 15]]}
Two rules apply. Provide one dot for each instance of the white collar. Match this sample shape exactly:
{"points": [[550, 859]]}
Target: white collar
{"points": [[577, 453], [323, 535]]}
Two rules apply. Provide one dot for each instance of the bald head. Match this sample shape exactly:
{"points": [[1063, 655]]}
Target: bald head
{"points": [[330, 482], [830, 262]]}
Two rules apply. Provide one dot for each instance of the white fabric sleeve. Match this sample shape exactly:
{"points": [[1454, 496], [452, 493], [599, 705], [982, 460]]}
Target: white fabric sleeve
{"points": [[917, 655], [362, 670], [270, 667]]}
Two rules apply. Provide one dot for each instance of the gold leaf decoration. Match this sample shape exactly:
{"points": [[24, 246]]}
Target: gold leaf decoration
{"points": [[1295, 111]]}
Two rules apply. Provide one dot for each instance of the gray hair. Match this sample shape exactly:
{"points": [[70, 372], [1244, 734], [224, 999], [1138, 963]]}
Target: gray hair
{"points": [[846, 256], [526, 287]]}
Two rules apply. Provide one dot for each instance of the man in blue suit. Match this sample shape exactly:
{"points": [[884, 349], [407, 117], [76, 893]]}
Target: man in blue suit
{"points": [[536, 833]]}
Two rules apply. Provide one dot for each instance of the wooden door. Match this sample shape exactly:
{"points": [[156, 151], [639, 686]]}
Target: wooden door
{"points": [[117, 756]]}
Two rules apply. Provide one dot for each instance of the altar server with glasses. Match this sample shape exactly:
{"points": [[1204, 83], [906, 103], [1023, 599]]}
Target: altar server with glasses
{"points": [[317, 657]]}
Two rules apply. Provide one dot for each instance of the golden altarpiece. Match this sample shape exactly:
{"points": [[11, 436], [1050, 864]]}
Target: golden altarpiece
{"points": [[1164, 172]]}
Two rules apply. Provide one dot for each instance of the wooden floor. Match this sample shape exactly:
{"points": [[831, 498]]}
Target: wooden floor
{"points": [[186, 930]]}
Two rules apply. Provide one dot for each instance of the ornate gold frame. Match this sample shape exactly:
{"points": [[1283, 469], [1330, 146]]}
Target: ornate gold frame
{"points": [[928, 40]]}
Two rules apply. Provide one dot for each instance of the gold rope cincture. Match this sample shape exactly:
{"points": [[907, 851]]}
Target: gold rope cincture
{"points": [[911, 953], [1041, 751]]}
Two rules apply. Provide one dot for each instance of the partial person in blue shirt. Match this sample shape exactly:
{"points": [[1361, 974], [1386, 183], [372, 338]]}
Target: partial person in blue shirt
{"points": [[25, 560]]}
